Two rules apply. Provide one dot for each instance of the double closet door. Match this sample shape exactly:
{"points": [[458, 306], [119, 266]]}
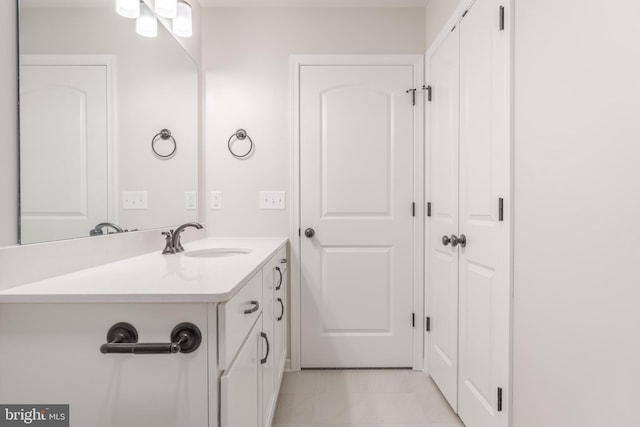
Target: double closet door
{"points": [[469, 228]]}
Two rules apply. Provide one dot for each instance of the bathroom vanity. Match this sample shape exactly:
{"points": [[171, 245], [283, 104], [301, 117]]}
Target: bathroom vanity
{"points": [[233, 291]]}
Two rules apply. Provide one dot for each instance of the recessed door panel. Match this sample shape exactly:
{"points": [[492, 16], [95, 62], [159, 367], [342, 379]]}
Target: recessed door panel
{"points": [[344, 272], [356, 125]]}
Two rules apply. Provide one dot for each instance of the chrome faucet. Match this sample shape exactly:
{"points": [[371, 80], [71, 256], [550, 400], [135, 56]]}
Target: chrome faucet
{"points": [[97, 230], [172, 238]]}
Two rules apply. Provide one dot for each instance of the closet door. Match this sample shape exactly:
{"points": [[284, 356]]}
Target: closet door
{"points": [[443, 257], [484, 280]]}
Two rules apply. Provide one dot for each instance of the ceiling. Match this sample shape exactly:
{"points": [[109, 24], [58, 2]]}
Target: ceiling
{"points": [[313, 3]]}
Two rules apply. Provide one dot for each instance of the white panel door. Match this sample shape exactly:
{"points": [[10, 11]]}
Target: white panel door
{"points": [[356, 192], [63, 151], [443, 259], [484, 179]]}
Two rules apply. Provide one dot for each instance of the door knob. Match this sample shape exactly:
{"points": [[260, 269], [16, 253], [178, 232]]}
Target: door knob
{"points": [[446, 240], [455, 240], [309, 232]]}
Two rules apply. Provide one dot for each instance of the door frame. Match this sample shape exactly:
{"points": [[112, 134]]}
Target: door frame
{"points": [[109, 62], [453, 21], [417, 62]]}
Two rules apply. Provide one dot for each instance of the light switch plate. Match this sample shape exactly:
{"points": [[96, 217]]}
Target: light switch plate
{"points": [[272, 200], [132, 200], [190, 200], [216, 200]]}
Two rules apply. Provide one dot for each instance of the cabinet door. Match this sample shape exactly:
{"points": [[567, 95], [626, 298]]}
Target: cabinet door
{"points": [[240, 391], [50, 355]]}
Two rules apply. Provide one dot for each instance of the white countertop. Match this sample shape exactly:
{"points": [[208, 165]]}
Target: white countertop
{"points": [[155, 277]]}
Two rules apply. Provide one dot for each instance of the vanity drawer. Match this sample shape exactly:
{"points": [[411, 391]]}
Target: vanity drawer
{"points": [[279, 265], [236, 318]]}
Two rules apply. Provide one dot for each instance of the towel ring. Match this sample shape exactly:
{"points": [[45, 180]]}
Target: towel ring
{"points": [[164, 134], [240, 135]]}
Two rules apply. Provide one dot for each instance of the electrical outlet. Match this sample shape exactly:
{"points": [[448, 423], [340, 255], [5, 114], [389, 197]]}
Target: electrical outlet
{"points": [[216, 200], [190, 200], [272, 200], [135, 200]]}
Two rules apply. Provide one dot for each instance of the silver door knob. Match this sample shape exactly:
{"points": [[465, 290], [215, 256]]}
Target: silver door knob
{"points": [[309, 232], [446, 240], [455, 240]]}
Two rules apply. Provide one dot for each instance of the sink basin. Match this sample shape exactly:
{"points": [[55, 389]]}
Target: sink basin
{"points": [[217, 252]]}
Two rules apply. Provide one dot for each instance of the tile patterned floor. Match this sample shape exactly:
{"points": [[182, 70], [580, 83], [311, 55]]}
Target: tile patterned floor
{"points": [[361, 398]]}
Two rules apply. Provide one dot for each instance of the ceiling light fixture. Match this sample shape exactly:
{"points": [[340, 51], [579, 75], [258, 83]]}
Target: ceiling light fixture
{"points": [[167, 8], [183, 23], [128, 8], [146, 24]]}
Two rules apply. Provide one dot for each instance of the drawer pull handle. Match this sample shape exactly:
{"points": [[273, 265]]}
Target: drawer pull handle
{"points": [[123, 338], [256, 306], [282, 306], [279, 282], [263, 335]]}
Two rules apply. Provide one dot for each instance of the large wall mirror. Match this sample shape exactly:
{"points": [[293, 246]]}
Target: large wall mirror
{"points": [[93, 96]]}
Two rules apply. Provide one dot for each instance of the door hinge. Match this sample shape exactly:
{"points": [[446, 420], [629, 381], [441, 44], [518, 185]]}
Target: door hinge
{"points": [[299, 234], [428, 324], [414, 209], [501, 18], [499, 399], [413, 95], [500, 209], [465, 13], [413, 320], [429, 209], [428, 89]]}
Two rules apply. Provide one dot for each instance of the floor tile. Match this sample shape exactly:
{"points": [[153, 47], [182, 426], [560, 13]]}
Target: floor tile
{"points": [[294, 409], [362, 398], [302, 382]]}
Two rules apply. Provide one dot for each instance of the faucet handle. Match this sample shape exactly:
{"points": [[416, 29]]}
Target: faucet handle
{"points": [[168, 248]]}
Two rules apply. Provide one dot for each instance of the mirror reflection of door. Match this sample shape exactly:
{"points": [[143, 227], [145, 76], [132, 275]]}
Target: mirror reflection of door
{"points": [[64, 147]]}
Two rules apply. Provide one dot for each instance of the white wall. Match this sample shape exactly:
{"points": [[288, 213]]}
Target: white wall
{"points": [[8, 124], [577, 213], [246, 61]]}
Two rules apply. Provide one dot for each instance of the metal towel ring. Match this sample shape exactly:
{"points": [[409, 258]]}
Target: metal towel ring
{"points": [[164, 134], [240, 135]]}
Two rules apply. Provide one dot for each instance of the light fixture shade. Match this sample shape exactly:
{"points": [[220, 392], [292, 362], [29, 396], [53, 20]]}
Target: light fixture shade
{"points": [[146, 24], [128, 8], [183, 23], [167, 8]]}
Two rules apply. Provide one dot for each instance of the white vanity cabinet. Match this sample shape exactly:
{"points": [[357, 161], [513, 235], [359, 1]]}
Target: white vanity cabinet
{"points": [[54, 335], [251, 376]]}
